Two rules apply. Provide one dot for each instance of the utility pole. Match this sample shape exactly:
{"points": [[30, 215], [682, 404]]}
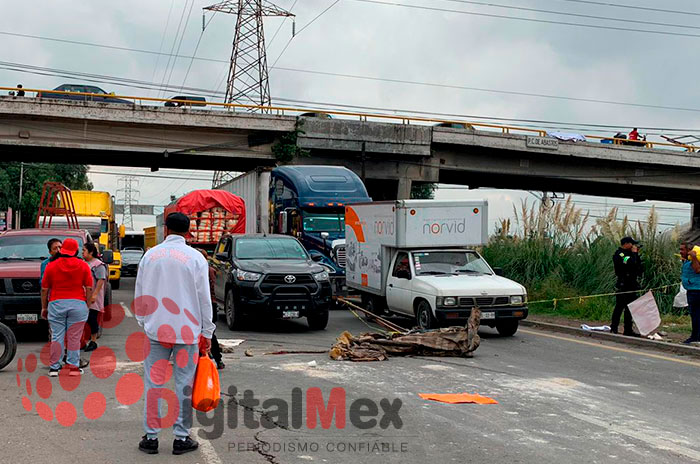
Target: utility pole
{"points": [[19, 205], [248, 79], [128, 197]]}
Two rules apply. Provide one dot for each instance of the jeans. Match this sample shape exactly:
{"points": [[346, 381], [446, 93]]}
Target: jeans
{"points": [[694, 308], [179, 403], [67, 319]]}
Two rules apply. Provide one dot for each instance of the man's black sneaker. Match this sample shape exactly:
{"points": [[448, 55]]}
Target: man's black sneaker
{"points": [[91, 346], [53, 372], [184, 446], [691, 340], [83, 363], [632, 334], [149, 445], [220, 365]]}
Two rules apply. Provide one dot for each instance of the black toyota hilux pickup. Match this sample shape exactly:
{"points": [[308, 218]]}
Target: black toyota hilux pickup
{"points": [[270, 277]]}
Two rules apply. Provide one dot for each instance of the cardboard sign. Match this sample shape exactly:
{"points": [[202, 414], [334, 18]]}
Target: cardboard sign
{"points": [[645, 313]]}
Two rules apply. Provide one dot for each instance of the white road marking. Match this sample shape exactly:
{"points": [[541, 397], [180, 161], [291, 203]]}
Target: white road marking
{"points": [[208, 451], [656, 442], [127, 311]]}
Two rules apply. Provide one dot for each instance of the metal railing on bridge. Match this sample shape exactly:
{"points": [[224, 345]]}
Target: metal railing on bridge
{"points": [[405, 119]]}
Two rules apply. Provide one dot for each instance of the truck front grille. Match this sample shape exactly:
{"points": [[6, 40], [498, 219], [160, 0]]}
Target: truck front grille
{"points": [[341, 256], [483, 302], [277, 282], [26, 286]]}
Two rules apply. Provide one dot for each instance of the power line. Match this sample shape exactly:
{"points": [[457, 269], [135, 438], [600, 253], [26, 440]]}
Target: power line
{"points": [[532, 20], [284, 20], [194, 54], [571, 14], [182, 36], [172, 48], [375, 78], [632, 7], [162, 40]]}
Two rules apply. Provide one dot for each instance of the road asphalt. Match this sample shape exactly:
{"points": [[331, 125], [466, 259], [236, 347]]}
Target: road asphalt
{"points": [[560, 399]]}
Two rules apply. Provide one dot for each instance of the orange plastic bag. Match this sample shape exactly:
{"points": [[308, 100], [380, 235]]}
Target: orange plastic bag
{"points": [[206, 390]]}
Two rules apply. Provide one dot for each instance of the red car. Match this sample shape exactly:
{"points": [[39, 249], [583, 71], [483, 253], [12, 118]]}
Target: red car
{"points": [[21, 254]]}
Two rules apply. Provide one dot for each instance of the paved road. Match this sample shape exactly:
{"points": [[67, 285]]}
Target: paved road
{"points": [[561, 399]]}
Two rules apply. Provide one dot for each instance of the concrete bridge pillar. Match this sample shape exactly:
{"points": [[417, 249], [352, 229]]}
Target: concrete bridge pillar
{"points": [[404, 190]]}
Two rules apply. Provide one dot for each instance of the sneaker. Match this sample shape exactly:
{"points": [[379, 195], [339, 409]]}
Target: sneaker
{"points": [[92, 346], [220, 365], [690, 340], [184, 446], [83, 363], [148, 445], [53, 372], [632, 334], [74, 371]]}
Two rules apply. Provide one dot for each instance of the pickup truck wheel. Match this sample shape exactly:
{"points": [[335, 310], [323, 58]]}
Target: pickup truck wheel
{"points": [[115, 284], [507, 328], [233, 315], [8, 342], [318, 321], [424, 316]]}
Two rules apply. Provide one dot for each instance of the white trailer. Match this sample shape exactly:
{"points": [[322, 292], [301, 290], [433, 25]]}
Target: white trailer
{"points": [[254, 188], [417, 258]]}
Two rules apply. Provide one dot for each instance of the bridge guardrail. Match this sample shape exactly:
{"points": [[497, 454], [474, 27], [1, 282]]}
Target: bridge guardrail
{"points": [[280, 110]]}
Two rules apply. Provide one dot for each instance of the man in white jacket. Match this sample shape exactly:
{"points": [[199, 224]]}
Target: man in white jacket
{"points": [[173, 304]]}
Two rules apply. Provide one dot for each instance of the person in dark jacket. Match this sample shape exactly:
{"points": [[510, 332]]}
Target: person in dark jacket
{"points": [[628, 269], [215, 349]]}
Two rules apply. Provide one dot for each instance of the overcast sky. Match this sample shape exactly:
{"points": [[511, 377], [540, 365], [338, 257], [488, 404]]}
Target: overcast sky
{"points": [[361, 38]]}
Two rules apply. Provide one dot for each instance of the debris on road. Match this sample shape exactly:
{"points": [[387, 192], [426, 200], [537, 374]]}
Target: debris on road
{"points": [[296, 352], [249, 353], [453, 341], [228, 345], [458, 398]]}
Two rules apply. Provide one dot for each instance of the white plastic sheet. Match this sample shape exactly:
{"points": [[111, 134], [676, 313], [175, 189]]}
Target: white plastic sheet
{"points": [[645, 313], [681, 298]]}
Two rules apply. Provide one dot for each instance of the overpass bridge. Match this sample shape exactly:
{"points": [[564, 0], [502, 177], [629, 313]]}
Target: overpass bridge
{"points": [[389, 152]]}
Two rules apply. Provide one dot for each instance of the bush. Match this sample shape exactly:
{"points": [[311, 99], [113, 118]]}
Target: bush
{"points": [[555, 253]]}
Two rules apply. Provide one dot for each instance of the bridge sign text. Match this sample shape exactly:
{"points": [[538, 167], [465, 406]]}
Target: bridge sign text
{"points": [[548, 143]]}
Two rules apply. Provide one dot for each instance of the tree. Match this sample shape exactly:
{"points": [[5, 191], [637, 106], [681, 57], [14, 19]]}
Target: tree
{"points": [[73, 176], [423, 191]]}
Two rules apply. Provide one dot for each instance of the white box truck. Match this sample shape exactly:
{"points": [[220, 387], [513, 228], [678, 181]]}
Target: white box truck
{"points": [[416, 258]]}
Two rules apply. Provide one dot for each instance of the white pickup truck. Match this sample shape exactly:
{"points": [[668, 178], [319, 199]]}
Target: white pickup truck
{"points": [[416, 258]]}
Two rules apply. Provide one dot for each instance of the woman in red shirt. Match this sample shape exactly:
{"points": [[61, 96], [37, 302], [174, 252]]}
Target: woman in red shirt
{"points": [[66, 286]]}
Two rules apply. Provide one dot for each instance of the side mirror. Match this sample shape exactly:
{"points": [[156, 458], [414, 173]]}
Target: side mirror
{"points": [[317, 258], [325, 234], [498, 271], [108, 256], [403, 274], [222, 256]]}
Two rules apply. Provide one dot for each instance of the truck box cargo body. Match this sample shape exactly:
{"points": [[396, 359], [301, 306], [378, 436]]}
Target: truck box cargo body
{"points": [[253, 187], [416, 258], [150, 237]]}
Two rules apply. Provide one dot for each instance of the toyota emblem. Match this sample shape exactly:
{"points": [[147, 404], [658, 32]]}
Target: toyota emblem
{"points": [[27, 285], [290, 279]]}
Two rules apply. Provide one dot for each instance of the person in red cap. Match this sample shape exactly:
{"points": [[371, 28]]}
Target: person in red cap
{"points": [[65, 289]]}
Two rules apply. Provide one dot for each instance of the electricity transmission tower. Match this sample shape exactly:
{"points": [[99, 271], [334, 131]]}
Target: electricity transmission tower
{"points": [[248, 80], [128, 196]]}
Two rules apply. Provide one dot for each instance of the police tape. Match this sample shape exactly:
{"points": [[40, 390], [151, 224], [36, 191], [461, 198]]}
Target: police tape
{"points": [[581, 299]]}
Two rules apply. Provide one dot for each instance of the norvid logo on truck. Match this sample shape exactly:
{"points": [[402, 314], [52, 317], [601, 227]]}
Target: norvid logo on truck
{"points": [[445, 227]]}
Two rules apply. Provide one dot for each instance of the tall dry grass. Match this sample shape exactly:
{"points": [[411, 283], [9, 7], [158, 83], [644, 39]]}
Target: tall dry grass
{"points": [[559, 252]]}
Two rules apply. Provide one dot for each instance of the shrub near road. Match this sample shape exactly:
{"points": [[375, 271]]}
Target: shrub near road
{"points": [[559, 252]]}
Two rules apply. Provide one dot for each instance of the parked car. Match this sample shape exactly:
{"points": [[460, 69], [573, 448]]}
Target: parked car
{"points": [[21, 254], [131, 257], [318, 115], [270, 276], [186, 100], [101, 96]]}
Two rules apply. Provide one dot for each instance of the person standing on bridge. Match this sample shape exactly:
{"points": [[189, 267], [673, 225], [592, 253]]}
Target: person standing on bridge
{"points": [[173, 305], [628, 269], [690, 278]]}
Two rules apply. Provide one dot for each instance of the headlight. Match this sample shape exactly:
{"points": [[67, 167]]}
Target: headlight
{"points": [[446, 301], [516, 300], [247, 276], [321, 277]]}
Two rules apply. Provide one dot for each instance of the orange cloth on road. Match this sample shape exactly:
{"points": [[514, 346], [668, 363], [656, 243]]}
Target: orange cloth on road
{"points": [[457, 398]]}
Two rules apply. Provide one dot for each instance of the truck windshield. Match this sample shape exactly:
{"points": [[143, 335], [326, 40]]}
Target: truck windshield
{"points": [[449, 262], [324, 222], [272, 248], [28, 246]]}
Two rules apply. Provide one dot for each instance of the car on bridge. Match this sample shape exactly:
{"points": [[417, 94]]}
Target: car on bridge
{"points": [[270, 277], [99, 94], [186, 100]]}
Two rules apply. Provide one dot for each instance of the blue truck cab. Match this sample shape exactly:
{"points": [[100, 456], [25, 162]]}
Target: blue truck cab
{"points": [[308, 202]]}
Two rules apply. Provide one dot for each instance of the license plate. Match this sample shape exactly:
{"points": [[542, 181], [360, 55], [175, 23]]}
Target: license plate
{"points": [[27, 318], [488, 315], [290, 314]]}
